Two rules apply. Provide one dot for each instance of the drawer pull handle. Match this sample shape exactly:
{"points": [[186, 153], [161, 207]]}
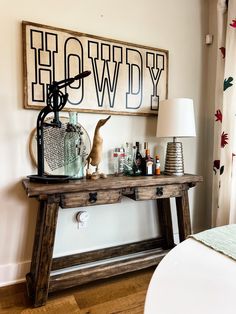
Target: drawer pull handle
{"points": [[93, 197], [159, 192]]}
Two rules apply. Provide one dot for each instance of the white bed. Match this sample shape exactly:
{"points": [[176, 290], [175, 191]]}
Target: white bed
{"points": [[193, 279]]}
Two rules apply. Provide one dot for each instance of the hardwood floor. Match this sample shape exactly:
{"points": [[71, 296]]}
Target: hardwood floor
{"points": [[121, 294]]}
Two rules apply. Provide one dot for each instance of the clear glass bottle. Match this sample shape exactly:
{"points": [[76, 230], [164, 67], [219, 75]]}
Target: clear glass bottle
{"points": [[72, 147], [128, 162], [116, 162], [121, 160]]}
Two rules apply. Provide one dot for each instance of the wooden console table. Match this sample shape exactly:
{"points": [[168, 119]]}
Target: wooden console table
{"points": [[114, 260]]}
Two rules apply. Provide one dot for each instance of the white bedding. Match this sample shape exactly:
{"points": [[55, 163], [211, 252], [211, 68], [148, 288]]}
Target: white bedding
{"points": [[193, 279]]}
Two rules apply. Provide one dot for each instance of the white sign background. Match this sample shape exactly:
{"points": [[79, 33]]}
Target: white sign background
{"points": [[125, 78]]}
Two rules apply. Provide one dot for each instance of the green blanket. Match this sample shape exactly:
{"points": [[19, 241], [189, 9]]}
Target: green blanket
{"points": [[221, 239]]}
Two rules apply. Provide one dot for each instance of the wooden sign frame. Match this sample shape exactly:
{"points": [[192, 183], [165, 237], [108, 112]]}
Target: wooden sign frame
{"points": [[126, 78]]}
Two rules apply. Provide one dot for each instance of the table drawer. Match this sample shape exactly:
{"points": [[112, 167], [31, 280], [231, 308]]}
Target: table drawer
{"points": [[70, 200], [148, 193]]}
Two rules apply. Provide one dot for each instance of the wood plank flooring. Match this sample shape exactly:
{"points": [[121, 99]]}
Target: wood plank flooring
{"points": [[121, 294]]}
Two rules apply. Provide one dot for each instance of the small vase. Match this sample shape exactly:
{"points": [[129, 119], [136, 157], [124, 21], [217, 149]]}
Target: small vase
{"points": [[73, 146]]}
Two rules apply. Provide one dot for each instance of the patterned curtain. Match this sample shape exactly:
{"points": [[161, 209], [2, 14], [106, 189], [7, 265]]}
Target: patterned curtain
{"points": [[224, 165]]}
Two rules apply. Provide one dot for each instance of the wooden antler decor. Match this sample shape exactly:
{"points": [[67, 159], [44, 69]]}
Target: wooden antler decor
{"points": [[95, 156]]}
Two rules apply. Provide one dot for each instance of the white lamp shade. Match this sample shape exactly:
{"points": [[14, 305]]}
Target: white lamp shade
{"points": [[176, 118]]}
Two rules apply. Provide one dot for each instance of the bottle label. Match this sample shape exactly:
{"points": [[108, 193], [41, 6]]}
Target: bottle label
{"points": [[149, 168], [157, 170], [157, 167]]}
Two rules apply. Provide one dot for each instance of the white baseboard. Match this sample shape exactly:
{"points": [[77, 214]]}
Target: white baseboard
{"points": [[13, 273]]}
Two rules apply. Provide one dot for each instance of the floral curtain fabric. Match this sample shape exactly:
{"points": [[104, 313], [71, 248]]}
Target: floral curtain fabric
{"points": [[224, 164]]}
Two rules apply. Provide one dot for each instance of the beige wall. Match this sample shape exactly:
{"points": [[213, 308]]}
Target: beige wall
{"points": [[178, 26]]}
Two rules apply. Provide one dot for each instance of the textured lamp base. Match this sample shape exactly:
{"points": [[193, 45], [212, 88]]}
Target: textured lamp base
{"points": [[174, 164]]}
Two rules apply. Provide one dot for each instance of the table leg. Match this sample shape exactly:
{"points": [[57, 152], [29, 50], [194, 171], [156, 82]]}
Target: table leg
{"points": [[164, 212], [38, 278], [182, 206]]}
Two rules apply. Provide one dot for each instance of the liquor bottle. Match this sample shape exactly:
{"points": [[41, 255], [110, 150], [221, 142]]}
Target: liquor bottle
{"points": [[136, 163], [157, 166], [121, 160], [148, 163], [143, 162], [73, 165], [138, 156], [128, 160], [116, 161]]}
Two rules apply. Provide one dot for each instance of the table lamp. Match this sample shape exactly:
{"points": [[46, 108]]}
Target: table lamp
{"points": [[175, 119]]}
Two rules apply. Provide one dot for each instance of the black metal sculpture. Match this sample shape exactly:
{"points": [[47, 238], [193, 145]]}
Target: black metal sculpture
{"points": [[56, 101]]}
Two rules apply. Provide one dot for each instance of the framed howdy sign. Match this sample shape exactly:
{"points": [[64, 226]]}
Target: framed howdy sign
{"points": [[125, 78]]}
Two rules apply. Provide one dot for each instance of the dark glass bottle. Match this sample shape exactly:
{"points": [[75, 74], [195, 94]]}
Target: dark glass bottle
{"points": [[138, 156], [143, 163], [136, 169]]}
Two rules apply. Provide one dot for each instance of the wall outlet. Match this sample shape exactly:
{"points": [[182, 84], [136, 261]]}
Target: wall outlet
{"points": [[82, 217]]}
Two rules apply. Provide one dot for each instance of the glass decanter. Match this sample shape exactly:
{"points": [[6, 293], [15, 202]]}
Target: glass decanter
{"points": [[73, 147]]}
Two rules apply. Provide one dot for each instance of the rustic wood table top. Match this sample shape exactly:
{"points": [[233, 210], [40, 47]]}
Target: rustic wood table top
{"points": [[111, 182]]}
